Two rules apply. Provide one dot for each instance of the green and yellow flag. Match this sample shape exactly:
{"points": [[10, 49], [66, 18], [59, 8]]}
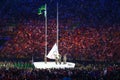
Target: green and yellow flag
{"points": [[42, 9]]}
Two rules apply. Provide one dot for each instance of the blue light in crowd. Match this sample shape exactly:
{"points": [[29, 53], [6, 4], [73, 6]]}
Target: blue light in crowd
{"points": [[7, 38], [4, 38], [1, 47]]}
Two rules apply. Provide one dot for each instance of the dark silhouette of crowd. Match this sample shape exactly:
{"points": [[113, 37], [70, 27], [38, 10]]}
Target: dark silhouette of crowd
{"points": [[89, 72]]}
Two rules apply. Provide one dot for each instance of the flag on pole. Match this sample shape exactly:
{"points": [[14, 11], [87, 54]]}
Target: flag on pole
{"points": [[42, 9], [53, 52]]}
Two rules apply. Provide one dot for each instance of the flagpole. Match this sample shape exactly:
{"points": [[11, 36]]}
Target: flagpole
{"points": [[32, 60], [57, 26], [45, 58]]}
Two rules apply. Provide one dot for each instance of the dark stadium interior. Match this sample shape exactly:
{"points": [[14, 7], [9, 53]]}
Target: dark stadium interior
{"points": [[89, 33]]}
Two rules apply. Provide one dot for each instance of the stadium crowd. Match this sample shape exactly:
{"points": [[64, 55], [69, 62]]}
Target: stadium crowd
{"points": [[85, 43], [87, 31], [88, 72], [77, 38]]}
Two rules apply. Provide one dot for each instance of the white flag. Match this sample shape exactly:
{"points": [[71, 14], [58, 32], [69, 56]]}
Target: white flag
{"points": [[53, 52]]}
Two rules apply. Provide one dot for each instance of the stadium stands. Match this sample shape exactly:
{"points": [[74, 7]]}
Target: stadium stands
{"points": [[89, 72], [89, 33], [87, 43]]}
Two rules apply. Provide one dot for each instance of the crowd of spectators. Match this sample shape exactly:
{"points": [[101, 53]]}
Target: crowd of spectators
{"points": [[77, 38], [88, 72], [83, 43], [88, 30]]}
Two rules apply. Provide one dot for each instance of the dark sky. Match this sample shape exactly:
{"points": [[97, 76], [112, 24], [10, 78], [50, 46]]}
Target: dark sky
{"points": [[86, 12]]}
